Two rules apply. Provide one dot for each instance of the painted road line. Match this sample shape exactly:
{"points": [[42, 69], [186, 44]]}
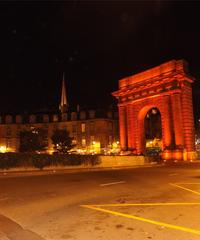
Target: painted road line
{"points": [[145, 204], [184, 188], [162, 224], [111, 183]]}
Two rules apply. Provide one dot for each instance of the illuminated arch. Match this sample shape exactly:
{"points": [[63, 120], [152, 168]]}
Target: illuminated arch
{"points": [[141, 128], [167, 88]]}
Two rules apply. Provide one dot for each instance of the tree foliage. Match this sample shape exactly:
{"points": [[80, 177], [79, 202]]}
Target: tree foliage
{"points": [[33, 140], [62, 141]]}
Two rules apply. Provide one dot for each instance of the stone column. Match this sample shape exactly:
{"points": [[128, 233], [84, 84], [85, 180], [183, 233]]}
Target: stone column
{"points": [[166, 122], [123, 127], [131, 130], [177, 119], [188, 121], [139, 125]]}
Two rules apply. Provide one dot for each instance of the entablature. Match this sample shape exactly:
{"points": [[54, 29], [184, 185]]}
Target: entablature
{"points": [[169, 75], [154, 91]]}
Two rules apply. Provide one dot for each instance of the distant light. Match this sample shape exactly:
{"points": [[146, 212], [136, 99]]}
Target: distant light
{"points": [[3, 149], [154, 111]]}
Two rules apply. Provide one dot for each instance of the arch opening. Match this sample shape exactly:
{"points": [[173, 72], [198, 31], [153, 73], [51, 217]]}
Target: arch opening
{"points": [[153, 132]]}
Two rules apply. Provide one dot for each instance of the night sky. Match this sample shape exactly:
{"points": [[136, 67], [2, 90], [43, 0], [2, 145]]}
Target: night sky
{"points": [[95, 43]]}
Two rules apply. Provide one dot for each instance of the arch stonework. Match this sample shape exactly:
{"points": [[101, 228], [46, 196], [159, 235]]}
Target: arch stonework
{"points": [[168, 88]]}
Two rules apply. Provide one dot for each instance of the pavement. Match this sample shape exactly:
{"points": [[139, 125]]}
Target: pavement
{"points": [[157, 202], [57, 170], [10, 230], [60, 170]]}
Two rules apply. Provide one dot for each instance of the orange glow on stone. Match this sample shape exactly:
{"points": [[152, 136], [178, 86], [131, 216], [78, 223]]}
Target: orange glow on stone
{"points": [[168, 88]]}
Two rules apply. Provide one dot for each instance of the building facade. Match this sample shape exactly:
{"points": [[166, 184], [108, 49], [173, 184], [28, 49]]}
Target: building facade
{"points": [[91, 130]]}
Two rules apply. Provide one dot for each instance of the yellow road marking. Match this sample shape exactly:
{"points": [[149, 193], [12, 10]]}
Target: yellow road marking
{"points": [[184, 229], [143, 204], [187, 189], [188, 183]]}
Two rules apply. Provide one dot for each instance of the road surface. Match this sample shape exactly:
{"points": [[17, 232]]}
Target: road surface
{"points": [[158, 203]]}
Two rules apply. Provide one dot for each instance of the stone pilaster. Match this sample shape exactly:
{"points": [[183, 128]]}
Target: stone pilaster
{"points": [[131, 129], [188, 120], [177, 119], [166, 122], [123, 127]]}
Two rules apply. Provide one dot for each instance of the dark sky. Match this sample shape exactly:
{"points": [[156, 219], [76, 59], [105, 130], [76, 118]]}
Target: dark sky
{"points": [[95, 42]]}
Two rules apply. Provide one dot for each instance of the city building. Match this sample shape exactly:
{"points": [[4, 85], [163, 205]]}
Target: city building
{"points": [[93, 131]]}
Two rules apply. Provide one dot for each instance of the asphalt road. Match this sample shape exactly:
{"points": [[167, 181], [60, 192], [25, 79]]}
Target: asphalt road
{"points": [[158, 203]]}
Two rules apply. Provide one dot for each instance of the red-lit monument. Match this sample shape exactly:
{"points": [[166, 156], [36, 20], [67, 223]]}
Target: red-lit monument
{"points": [[167, 88]]}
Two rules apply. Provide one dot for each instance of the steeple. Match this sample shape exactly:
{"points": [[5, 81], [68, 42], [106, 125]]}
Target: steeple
{"points": [[63, 103]]}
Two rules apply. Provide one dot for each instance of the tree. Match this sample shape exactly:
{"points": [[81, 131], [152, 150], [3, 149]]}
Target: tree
{"points": [[61, 140], [33, 140]]}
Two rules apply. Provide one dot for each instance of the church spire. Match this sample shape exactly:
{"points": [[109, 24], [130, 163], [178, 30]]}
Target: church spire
{"points": [[63, 103]]}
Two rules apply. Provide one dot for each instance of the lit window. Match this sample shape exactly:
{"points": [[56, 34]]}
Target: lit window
{"points": [[8, 131], [91, 138], [8, 143], [83, 141], [82, 127]]}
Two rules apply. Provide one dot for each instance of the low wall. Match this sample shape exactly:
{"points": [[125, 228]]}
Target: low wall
{"points": [[102, 162], [121, 161]]}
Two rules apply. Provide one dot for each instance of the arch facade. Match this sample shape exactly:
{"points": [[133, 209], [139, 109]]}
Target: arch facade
{"points": [[168, 88]]}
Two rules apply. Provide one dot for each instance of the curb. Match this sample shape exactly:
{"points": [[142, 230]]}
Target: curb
{"points": [[10, 230], [37, 172]]}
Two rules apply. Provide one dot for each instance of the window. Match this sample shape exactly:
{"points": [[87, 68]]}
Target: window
{"points": [[55, 118], [64, 116], [91, 114], [32, 119], [110, 126], [92, 139], [8, 119], [82, 115], [45, 118], [8, 143], [8, 131], [73, 116], [109, 114], [18, 119], [92, 127], [82, 127], [18, 131], [110, 139], [74, 128], [83, 141]]}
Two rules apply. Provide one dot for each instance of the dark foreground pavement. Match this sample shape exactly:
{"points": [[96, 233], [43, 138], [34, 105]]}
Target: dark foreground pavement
{"points": [[158, 203], [13, 231]]}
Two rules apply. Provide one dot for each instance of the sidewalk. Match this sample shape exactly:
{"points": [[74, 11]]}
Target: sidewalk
{"points": [[10, 230], [60, 170]]}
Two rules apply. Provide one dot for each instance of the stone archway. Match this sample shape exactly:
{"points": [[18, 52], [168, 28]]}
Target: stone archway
{"points": [[141, 126], [168, 88]]}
